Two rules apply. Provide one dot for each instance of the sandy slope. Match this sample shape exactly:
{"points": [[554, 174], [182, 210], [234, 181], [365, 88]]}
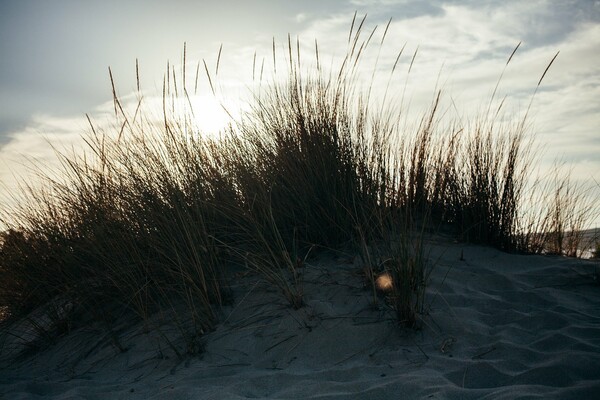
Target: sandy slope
{"points": [[499, 326]]}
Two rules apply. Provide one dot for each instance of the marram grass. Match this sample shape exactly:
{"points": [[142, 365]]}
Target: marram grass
{"points": [[151, 221]]}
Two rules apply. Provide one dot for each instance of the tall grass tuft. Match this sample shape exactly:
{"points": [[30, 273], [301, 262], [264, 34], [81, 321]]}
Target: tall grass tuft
{"points": [[149, 222]]}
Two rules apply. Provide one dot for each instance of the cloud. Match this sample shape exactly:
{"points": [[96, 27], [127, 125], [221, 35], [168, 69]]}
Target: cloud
{"points": [[301, 17], [33, 149]]}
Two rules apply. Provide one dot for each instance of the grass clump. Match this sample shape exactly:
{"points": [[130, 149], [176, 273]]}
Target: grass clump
{"points": [[397, 267], [127, 233], [151, 221]]}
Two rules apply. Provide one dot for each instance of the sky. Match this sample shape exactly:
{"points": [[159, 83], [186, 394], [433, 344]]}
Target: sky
{"points": [[55, 55]]}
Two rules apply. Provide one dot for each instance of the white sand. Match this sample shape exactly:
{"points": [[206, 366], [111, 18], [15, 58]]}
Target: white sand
{"points": [[500, 326]]}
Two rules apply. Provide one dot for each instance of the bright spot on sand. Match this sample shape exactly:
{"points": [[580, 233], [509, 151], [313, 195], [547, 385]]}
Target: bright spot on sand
{"points": [[384, 282]]}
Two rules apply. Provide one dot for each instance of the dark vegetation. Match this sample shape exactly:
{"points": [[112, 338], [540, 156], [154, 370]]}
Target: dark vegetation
{"points": [[151, 220]]}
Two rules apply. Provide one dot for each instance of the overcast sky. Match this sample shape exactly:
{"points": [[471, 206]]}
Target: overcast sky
{"points": [[54, 58]]}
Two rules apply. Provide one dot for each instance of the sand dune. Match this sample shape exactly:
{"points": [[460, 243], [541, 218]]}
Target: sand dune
{"points": [[499, 326]]}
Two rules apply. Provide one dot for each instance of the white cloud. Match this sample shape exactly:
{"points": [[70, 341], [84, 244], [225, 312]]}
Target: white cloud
{"points": [[301, 17], [33, 149]]}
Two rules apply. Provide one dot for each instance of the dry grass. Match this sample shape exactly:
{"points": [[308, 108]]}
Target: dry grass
{"points": [[154, 217]]}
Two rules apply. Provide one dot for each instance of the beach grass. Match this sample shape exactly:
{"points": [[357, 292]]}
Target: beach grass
{"points": [[152, 221]]}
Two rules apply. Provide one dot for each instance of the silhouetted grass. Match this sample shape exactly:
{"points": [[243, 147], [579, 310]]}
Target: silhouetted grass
{"points": [[151, 220]]}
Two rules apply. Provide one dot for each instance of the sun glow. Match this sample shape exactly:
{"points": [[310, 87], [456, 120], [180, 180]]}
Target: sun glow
{"points": [[205, 115], [211, 115]]}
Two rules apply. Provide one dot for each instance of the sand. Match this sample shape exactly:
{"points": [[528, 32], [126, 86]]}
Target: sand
{"points": [[499, 326]]}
